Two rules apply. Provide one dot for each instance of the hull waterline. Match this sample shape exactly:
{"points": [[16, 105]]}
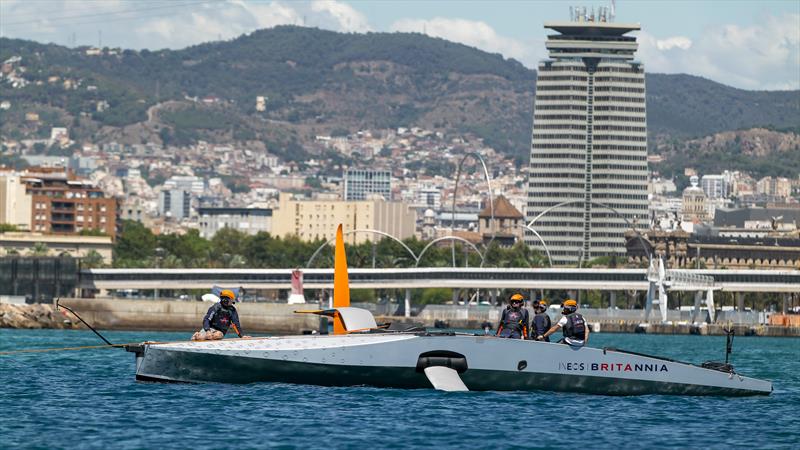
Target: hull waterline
{"points": [[398, 360]]}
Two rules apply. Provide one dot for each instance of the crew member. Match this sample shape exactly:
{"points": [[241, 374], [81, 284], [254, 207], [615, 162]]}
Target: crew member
{"points": [[541, 321], [572, 324], [222, 316], [514, 321]]}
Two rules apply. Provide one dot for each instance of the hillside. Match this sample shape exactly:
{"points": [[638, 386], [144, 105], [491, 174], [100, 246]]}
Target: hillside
{"points": [[758, 151], [317, 81]]}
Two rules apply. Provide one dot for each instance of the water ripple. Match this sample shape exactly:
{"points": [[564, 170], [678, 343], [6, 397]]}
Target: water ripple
{"points": [[89, 399]]}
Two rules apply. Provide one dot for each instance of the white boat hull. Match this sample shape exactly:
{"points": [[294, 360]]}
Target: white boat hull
{"points": [[399, 360]]}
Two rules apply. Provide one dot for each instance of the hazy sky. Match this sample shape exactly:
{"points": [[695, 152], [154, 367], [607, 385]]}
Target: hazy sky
{"points": [[748, 44]]}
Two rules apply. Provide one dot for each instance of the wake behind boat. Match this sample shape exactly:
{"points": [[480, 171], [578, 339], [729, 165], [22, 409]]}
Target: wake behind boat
{"points": [[362, 353]]}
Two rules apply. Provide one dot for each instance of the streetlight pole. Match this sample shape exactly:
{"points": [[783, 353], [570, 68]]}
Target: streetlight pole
{"points": [[159, 254]]}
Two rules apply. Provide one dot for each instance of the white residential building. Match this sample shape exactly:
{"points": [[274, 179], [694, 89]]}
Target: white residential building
{"points": [[362, 184], [715, 186], [246, 220]]}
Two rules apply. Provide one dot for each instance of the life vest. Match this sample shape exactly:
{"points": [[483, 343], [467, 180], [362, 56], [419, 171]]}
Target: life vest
{"points": [[223, 318], [540, 324], [575, 328], [515, 319]]}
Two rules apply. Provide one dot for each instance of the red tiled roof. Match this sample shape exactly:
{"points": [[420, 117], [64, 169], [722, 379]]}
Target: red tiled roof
{"points": [[502, 209]]}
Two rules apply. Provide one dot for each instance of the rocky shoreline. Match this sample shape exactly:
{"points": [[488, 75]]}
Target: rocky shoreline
{"points": [[34, 316]]}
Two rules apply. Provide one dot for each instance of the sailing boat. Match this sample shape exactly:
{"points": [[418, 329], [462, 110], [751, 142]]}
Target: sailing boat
{"points": [[360, 352]]}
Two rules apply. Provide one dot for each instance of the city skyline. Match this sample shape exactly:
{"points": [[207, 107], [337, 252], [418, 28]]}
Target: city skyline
{"points": [[709, 39], [588, 147]]}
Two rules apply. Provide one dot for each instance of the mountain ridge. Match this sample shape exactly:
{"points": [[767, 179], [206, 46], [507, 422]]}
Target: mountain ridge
{"points": [[318, 80]]}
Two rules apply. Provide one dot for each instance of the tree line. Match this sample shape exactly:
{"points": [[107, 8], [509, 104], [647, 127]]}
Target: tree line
{"points": [[137, 246]]}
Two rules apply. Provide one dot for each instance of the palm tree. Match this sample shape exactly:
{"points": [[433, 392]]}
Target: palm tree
{"points": [[39, 249], [92, 260]]}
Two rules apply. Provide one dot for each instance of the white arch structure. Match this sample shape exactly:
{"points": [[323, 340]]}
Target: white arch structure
{"points": [[602, 205], [454, 239], [479, 158], [536, 233], [362, 230]]}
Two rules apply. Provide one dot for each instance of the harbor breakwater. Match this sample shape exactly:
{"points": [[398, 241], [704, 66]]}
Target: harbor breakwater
{"points": [[174, 315], [164, 315], [32, 316]]}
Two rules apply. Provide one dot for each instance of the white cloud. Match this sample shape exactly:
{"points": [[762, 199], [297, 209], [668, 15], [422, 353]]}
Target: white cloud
{"points": [[271, 14], [681, 42], [473, 33], [165, 23], [216, 20], [765, 55], [347, 17]]}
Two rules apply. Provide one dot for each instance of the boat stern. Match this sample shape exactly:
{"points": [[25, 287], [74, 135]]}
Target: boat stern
{"points": [[138, 351]]}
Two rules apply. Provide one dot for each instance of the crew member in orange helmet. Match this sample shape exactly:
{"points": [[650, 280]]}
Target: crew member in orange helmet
{"points": [[573, 325], [222, 316], [514, 321]]}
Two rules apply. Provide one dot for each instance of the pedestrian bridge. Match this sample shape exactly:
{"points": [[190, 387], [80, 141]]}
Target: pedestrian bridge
{"points": [[786, 281]]}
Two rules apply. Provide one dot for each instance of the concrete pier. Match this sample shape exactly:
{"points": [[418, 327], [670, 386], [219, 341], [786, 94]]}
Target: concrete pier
{"points": [[279, 318]]}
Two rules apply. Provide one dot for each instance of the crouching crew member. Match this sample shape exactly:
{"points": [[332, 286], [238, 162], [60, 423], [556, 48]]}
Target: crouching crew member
{"points": [[514, 321], [541, 321], [572, 324], [222, 315]]}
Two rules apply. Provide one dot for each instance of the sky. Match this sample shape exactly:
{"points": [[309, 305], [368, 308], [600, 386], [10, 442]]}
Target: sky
{"points": [[751, 44]]}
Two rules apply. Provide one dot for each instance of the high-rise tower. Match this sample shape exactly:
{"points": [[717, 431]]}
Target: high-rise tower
{"points": [[589, 140]]}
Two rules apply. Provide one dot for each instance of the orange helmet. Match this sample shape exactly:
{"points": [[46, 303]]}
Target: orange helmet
{"points": [[227, 293]]}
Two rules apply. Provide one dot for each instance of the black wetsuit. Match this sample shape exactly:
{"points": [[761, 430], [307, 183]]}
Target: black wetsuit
{"points": [[513, 323], [539, 325], [221, 318]]}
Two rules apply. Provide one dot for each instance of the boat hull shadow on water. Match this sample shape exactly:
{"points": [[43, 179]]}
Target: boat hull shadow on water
{"points": [[462, 362]]}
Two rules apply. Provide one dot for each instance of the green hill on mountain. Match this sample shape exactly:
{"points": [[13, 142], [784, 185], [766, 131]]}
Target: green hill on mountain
{"points": [[317, 81]]}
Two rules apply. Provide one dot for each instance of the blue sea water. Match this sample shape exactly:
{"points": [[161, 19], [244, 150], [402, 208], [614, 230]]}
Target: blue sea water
{"points": [[89, 399]]}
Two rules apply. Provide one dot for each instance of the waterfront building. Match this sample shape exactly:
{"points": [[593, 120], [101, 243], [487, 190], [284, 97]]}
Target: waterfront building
{"points": [[589, 141], [61, 203], [56, 245], [15, 202], [246, 220], [312, 220], [714, 251], [361, 184]]}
